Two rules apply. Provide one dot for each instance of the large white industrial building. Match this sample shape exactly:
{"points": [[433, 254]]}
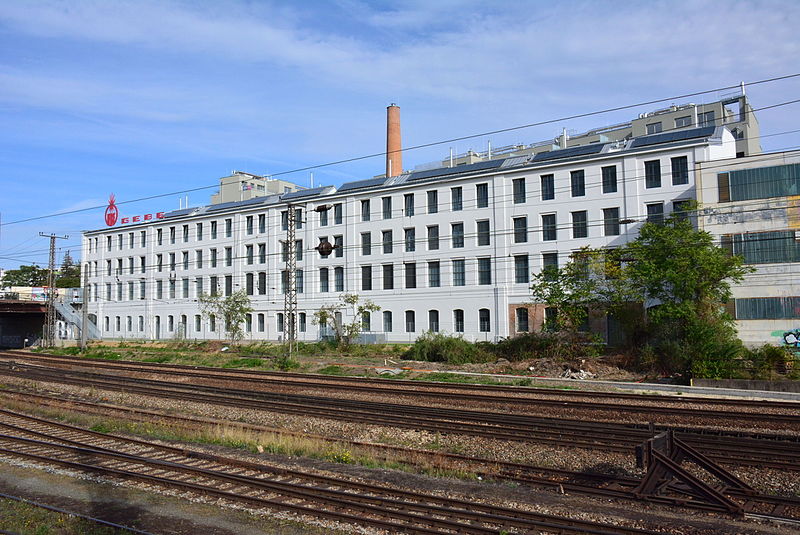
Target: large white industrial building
{"points": [[449, 248]]}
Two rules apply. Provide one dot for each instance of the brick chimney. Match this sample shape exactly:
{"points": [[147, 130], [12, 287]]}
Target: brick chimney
{"points": [[394, 156]]}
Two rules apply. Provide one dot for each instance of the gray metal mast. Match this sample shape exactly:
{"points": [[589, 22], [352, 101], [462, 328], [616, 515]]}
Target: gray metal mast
{"points": [[50, 322], [290, 297], [85, 308]]}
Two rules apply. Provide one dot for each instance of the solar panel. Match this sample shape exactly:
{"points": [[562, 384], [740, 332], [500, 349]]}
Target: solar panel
{"points": [[581, 150], [177, 213], [457, 170], [669, 137], [361, 184], [303, 193], [239, 204]]}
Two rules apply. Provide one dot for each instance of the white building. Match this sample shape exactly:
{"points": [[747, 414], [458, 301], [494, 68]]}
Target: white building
{"points": [[447, 249]]}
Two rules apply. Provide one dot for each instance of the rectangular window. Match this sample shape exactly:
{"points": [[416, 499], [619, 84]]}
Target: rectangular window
{"points": [[228, 285], [410, 238], [484, 320], [299, 280], [386, 239], [214, 283], [130, 237], [457, 198], [130, 290], [261, 323], [520, 229], [681, 122], [774, 247], [142, 264], [459, 272], [337, 214], [522, 320], [611, 221], [324, 285], [609, 179], [142, 289], [213, 260], [366, 243], [484, 271], [483, 232], [262, 228], [680, 170], [549, 232], [338, 246], [518, 187], [549, 261], [228, 228], [433, 202], [482, 193], [548, 187], [655, 213], [298, 218], [577, 183], [185, 288], [198, 287], [653, 128], [652, 174], [159, 290], [411, 275], [198, 231], [301, 323], [408, 200], [298, 250], [249, 254], [705, 118], [433, 237], [323, 218], [387, 207], [759, 183], [171, 237], [338, 279], [172, 289], [249, 284], [248, 323], [458, 320], [262, 253], [580, 224], [434, 274], [457, 232], [365, 210], [433, 321], [228, 256], [185, 259], [172, 261], [388, 276], [250, 225], [366, 278], [410, 321], [279, 323], [387, 321], [262, 283], [213, 230], [142, 239], [521, 269]]}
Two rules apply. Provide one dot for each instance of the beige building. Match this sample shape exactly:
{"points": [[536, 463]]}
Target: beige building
{"points": [[241, 186]]}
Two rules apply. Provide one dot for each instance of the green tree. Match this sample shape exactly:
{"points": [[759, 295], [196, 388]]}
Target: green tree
{"points": [[25, 276], [333, 316], [233, 311], [69, 276]]}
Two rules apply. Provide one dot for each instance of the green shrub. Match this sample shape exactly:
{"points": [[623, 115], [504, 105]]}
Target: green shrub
{"points": [[243, 363], [440, 347]]}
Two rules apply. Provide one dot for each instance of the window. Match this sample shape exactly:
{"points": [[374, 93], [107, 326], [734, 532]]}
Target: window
{"points": [[299, 280], [248, 323], [483, 232], [655, 213], [132, 268], [408, 200], [159, 290], [366, 243], [386, 239], [518, 187], [298, 218], [279, 322], [213, 230], [411, 275], [681, 209], [433, 237], [611, 221], [228, 285], [142, 239], [652, 174], [172, 261], [262, 253], [550, 263], [284, 281], [387, 321], [130, 237], [365, 210], [681, 122], [520, 229], [522, 320], [249, 254], [249, 225], [387, 207], [213, 260], [228, 256], [653, 128], [434, 274], [482, 193], [214, 285], [457, 198], [548, 187], [549, 232], [484, 323], [338, 246], [680, 170], [172, 289], [366, 277], [521, 269], [185, 288], [119, 239], [484, 271], [108, 240], [324, 285], [457, 231], [338, 279], [458, 320], [609, 179], [757, 308], [705, 118], [337, 214], [228, 228], [580, 224], [410, 322], [260, 323], [323, 218], [262, 226], [577, 183], [410, 238], [366, 322], [130, 290], [142, 289], [433, 202], [759, 183], [433, 321], [249, 284], [198, 286], [142, 264], [459, 273], [212, 323], [388, 276], [262, 283]]}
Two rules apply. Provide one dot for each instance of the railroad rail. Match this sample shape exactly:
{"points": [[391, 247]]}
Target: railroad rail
{"points": [[271, 487], [736, 450]]}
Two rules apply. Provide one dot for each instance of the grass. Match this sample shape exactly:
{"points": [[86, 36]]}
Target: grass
{"points": [[26, 519]]}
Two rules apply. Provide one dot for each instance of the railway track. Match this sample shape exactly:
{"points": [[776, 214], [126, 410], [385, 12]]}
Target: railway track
{"points": [[572, 482], [279, 489], [510, 396], [778, 452]]}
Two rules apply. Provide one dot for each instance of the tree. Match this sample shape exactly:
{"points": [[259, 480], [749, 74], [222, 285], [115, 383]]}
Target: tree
{"points": [[25, 276], [332, 316], [69, 276], [233, 310]]}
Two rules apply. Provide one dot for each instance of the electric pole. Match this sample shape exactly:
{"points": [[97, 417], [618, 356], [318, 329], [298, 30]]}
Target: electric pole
{"points": [[85, 308], [50, 322], [290, 296]]}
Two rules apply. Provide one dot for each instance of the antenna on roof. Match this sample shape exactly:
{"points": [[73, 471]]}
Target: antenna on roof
{"points": [[311, 176]]}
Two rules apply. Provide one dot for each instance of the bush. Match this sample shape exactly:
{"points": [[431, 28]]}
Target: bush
{"points": [[768, 360], [439, 347]]}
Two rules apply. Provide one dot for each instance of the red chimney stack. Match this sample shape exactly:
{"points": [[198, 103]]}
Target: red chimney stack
{"points": [[394, 146]]}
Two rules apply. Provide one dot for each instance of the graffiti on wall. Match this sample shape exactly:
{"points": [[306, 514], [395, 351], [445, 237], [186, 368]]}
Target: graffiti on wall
{"points": [[792, 338]]}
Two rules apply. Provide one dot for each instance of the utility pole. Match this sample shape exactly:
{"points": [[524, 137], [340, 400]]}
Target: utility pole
{"points": [[85, 308], [290, 297], [50, 322]]}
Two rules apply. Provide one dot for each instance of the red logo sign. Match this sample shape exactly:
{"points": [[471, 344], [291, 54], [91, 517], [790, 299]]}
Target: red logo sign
{"points": [[112, 213]]}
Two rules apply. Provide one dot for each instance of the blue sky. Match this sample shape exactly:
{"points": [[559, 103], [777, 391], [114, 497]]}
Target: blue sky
{"points": [[141, 98]]}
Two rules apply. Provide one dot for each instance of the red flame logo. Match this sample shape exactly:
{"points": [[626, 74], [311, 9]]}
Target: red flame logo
{"points": [[112, 213]]}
